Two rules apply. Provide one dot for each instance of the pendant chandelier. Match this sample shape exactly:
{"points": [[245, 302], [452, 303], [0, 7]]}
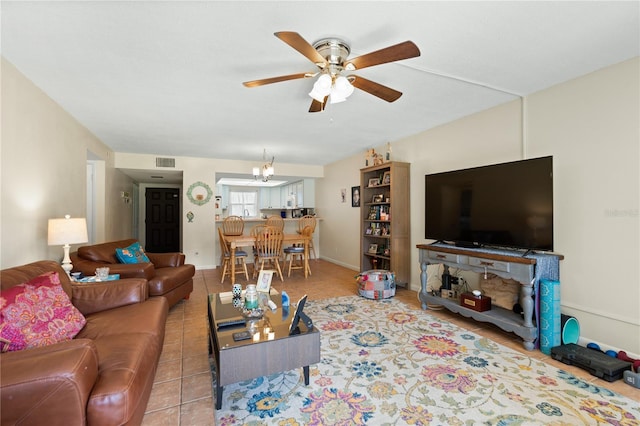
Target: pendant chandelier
{"points": [[266, 171]]}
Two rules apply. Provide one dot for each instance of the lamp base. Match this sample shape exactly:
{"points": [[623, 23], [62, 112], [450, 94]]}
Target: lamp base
{"points": [[66, 260]]}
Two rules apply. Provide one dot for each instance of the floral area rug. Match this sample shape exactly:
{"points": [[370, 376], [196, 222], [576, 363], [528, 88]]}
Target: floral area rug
{"points": [[383, 363]]}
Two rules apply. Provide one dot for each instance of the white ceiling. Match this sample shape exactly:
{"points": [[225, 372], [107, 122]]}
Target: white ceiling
{"points": [[165, 78]]}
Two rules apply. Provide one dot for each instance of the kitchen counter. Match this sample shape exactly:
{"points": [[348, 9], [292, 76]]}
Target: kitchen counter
{"points": [[257, 220]]}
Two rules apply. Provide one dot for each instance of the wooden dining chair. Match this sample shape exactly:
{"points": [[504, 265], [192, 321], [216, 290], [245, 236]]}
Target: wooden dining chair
{"points": [[225, 259], [233, 225], [310, 221], [254, 233], [269, 247], [296, 253], [275, 221]]}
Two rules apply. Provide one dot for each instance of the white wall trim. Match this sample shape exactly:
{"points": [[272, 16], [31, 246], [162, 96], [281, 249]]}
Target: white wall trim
{"points": [[600, 313]]}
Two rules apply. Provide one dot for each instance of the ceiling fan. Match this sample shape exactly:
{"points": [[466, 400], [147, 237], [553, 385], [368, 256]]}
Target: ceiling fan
{"points": [[330, 56]]}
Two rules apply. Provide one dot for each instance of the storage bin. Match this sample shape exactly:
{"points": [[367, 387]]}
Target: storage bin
{"points": [[376, 284], [477, 303]]}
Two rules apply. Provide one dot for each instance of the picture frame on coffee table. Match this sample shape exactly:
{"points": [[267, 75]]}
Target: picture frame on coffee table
{"points": [[264, 280]]}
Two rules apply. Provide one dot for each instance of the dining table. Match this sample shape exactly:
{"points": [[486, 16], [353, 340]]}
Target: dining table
{"points": [[249, 240]]}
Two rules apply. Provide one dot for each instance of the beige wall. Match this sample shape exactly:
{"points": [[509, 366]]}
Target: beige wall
{"points": [[339, 241], [591, 127], [44, 155]]}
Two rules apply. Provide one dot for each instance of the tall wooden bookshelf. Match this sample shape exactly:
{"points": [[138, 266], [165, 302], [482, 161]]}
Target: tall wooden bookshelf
{"points": [[385, 219]]}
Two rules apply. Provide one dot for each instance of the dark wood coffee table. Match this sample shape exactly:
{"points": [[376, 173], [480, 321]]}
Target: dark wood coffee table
{"points": [[271, 350]]}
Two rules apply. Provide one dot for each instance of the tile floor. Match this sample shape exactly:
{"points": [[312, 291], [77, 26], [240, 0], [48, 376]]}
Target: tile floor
{"points": [[182, 391]]}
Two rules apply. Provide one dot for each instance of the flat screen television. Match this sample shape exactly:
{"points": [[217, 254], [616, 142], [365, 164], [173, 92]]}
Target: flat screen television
{"points": [[503, 205]]}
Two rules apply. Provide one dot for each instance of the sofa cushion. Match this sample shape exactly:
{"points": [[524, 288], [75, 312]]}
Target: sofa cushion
{"points": [[37, 313], [146, 317], [168, 279], [129, 342], [127, 364], [132, 254]]}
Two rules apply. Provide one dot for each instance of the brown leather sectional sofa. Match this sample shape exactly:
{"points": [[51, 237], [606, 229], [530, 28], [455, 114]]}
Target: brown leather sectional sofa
{"points": [[167, 273], [104, 375]]}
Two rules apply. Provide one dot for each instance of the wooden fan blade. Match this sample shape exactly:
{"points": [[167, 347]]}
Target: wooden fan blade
{"points": [[393, 53], [256, 83], [318, 106], [376, 89], [296, 41]]}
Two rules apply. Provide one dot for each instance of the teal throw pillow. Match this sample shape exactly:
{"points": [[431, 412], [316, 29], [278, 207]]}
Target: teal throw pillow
{"points": [[132, 254]]}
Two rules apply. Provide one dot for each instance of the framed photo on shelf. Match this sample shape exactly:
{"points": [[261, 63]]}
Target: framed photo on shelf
{"points": [[386, 178], [264, 280], [373, 249], [373, 182], [377, 198], [368, 231]]}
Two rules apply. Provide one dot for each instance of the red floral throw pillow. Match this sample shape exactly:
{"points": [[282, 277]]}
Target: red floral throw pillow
{"points": [[37, 313]]}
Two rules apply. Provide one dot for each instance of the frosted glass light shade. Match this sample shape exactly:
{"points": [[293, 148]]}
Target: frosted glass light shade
{"points": [[341, 90], [321, 88], [268, 171]]}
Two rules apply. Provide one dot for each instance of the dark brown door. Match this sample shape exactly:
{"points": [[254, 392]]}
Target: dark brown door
{"points": [[162, 220]]}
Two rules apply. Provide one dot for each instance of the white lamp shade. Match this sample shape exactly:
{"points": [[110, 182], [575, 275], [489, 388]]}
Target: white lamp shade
{"points": [[341, 90], [269, 171], [67, 231], [256, 171], [321, 88]]}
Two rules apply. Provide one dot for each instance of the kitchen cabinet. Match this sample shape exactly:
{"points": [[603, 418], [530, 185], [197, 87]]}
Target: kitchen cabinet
{"points": [[270, 198], [299, 194]]}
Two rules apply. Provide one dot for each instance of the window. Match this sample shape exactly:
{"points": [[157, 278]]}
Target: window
{"points": [[243, 203]]}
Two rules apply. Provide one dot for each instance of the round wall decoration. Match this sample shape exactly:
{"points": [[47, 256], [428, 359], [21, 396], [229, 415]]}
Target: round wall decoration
{"points": [[199, 193]]}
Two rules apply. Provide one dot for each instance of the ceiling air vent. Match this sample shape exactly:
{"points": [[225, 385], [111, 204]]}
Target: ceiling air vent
{"points": [[165, 162]]}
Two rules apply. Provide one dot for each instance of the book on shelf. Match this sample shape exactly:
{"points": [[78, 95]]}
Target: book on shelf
{"points": [[379, 213]]}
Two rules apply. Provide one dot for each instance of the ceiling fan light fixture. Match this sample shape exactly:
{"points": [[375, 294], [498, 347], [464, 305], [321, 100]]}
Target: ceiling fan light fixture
{"points": [[321, 88], [341, 90]]}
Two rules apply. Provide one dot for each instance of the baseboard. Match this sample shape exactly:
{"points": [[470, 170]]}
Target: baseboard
{"points": [[339, 263], [584, 341], [200, 267]]}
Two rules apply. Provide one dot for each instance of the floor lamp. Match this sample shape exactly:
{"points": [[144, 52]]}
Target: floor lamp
{"points": [[65, 232]]}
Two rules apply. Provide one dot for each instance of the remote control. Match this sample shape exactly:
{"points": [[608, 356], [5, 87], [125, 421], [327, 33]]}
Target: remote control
{"points": [[272, 305], [241, 335], [231, 322]]}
